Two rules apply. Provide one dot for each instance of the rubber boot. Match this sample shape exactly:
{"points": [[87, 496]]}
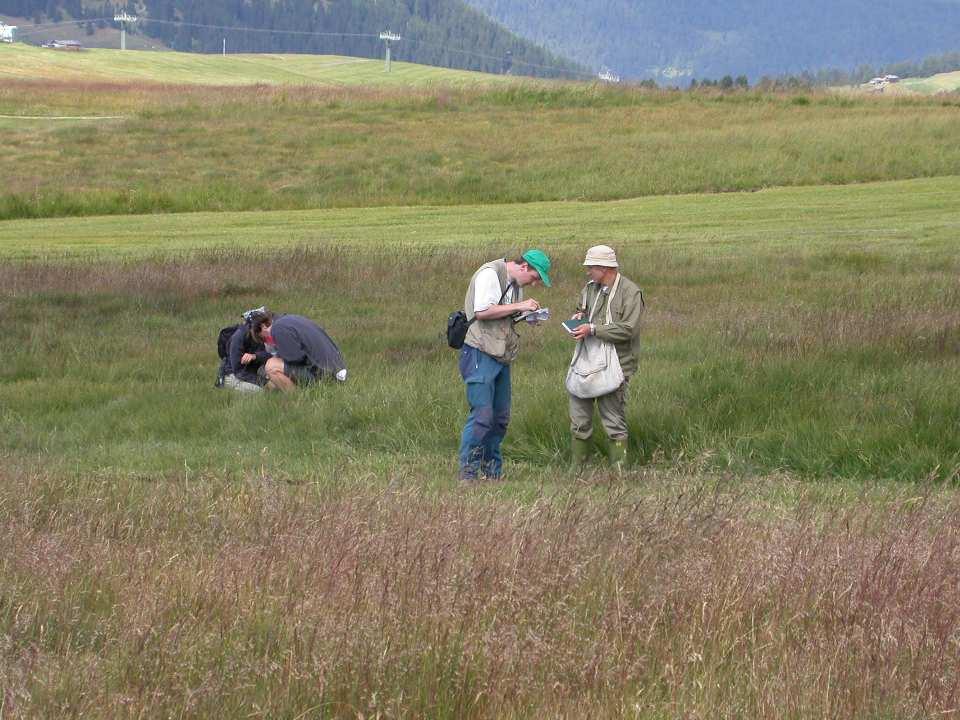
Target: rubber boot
{"points": [[579, 452], [617, 452]]}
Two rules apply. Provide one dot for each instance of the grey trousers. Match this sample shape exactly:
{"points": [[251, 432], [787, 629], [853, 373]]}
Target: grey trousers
{"points": [[613, 414]]}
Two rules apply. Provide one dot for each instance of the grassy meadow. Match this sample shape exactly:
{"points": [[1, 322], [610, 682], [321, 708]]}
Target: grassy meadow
{"points": [[813, 331], [182, 148], [783, 543]]}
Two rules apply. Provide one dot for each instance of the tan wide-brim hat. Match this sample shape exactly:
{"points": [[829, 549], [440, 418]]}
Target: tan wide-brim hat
{"points": [[602, 255]]}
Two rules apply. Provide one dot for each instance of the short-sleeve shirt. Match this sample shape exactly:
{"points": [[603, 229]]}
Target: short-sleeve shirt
{"points": [[487, 290]]}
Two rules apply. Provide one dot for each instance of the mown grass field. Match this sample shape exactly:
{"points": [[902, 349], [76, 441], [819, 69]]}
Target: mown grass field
{"points": [[196, 148], [25, 62], [784, 542]]}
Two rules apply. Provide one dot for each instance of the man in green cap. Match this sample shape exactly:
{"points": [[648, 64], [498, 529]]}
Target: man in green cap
{"points": [[494, 299]]}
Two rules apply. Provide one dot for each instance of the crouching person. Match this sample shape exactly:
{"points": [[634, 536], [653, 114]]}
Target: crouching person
{"points": [[246, 354], [613, 305], [305, 353]]}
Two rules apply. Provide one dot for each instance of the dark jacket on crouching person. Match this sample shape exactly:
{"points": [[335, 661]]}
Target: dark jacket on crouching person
{"points": [[242, 342]]}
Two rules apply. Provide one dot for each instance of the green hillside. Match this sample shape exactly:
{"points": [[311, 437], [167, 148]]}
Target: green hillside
{"points": [[27, 62], [942, 82], [444, 33]]}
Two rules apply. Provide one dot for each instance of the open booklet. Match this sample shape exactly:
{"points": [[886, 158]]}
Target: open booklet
{"points": [[533, 316], [571, 325]]}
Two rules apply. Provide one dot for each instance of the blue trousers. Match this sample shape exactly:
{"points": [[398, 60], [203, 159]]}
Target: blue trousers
{"points": [[488, 394]]}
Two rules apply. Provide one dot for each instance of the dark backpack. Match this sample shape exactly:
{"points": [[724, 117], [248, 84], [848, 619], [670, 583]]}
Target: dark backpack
{"points": [[223, 349], [223, 340]]}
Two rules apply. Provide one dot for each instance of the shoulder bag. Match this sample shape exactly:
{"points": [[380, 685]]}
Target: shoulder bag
{"points": [[595, 368]]}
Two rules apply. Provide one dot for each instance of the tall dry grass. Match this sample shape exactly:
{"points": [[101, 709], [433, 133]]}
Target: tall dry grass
{"points": [[686, 599]]}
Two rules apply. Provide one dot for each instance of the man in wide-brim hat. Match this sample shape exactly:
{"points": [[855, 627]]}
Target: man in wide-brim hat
{"points": [[606, 285]]}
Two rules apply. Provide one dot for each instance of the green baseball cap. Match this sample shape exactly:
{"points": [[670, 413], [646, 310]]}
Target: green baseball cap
{"points": [[538, 260]]}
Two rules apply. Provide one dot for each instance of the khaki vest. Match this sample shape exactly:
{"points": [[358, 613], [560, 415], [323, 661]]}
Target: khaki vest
{"points": [[497, 338]]}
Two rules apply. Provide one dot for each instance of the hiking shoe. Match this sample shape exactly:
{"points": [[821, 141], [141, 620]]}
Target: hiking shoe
{"points": [[468, 477]]}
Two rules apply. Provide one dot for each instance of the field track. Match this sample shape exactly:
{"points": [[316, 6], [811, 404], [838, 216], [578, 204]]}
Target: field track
{"points": [[62, 117]]}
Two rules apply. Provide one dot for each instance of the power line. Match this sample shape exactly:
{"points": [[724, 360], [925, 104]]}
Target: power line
{"points": [[260, 30], [472, 53], [43, 27]]}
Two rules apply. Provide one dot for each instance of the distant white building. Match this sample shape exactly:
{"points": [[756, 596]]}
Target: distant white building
{"points": [[8, 33], [608, 75], [891, 78]]}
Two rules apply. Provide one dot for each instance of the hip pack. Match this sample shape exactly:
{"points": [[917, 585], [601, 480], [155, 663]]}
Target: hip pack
{"points": [[458, 324]]}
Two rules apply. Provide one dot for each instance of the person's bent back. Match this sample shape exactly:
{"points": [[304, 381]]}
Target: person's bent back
{"points": [[305, 353]]}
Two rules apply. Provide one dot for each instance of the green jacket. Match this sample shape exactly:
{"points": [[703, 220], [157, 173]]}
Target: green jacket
{"points": [[624, 329]]}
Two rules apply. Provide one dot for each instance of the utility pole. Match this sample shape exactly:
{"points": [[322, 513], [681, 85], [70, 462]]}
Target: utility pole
{"points": [[123, 19], [387, 38]]}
